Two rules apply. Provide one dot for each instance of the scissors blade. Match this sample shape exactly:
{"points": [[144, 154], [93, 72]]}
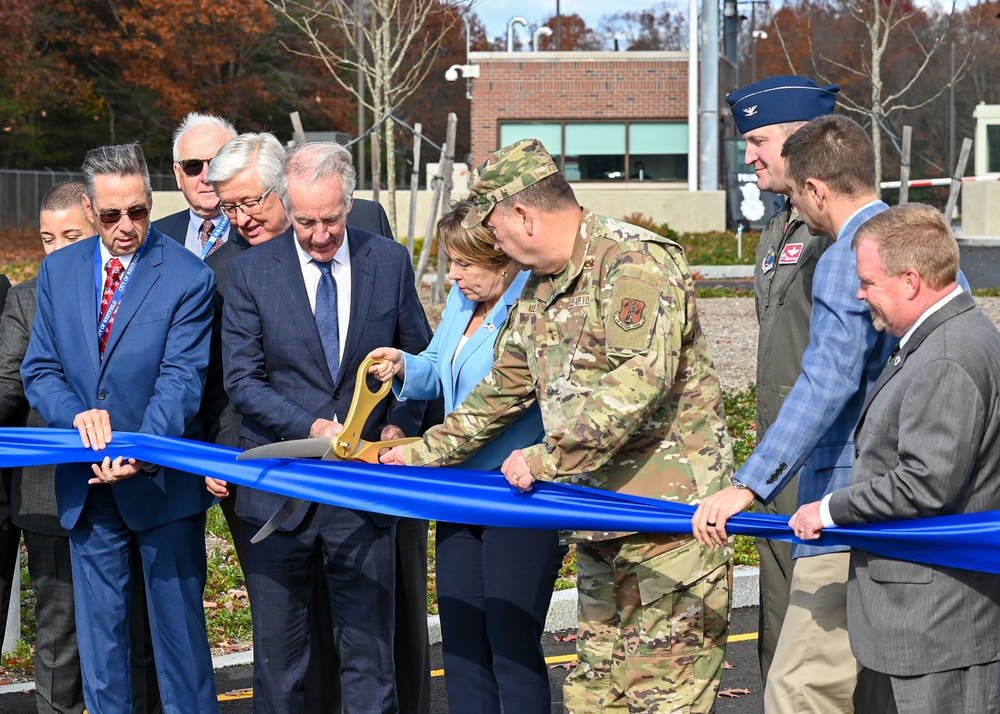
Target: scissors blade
{"points": [[297, 449], [287, 509]]}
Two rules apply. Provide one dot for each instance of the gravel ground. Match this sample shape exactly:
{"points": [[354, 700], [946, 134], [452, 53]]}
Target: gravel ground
{"points": [[731, 327]]}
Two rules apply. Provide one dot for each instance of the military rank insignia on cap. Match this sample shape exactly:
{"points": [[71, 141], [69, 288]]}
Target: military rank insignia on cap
{"points": [[509, 170], [777, 100]]}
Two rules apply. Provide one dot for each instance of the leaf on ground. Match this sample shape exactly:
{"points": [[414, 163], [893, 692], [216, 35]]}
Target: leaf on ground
{"points": [[565, 638], [564, 665], [726, 665], [733, 693]]}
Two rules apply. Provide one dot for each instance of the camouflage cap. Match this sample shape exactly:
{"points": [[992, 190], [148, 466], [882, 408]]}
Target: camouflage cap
{"points": [[509, 170]]}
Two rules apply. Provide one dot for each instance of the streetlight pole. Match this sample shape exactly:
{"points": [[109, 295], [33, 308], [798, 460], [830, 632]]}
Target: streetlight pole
{"points": [[558, 28]]}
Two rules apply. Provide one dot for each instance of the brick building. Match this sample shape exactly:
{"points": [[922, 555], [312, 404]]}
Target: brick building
{"points": [[604, 116]]}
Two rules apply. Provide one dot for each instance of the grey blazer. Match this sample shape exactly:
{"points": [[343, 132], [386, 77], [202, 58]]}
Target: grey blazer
{"points": [[928, 444], [33, 496]]}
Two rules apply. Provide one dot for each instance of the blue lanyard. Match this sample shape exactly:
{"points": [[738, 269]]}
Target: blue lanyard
{"points": [[117, 298], [221, 228]]}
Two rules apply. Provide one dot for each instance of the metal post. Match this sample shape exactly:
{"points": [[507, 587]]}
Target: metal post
{"points": [[904, 167], [359, 36], [709, 174]]}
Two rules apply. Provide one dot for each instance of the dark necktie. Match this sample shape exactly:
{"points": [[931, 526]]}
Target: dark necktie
{"points": [[114, 270], [205, 234], [327, 320], [892, 356]]}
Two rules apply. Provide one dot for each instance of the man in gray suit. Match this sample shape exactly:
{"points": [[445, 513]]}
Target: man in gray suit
{"points": [[58, 683], [927, 444]]}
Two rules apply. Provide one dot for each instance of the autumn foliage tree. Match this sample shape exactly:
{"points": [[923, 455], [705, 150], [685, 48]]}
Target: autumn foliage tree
{"points": [[881, 52]]}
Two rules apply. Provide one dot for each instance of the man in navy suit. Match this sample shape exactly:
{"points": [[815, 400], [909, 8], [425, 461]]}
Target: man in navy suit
{"points": [[244, 173], [292, 374], [200, 228], [121, 341]]}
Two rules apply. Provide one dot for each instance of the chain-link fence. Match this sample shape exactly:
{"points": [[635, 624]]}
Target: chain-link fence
{"points": [[22, 191]]}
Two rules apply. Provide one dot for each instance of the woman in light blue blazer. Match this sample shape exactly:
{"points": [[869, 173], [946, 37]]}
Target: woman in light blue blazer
{"points": [[494, 584]]}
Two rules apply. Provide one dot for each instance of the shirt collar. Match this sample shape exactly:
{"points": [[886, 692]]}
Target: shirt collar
{"points": [[850, 218], [930, 311], [342, 258]]}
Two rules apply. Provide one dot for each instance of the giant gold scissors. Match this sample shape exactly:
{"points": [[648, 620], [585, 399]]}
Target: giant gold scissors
{"points": [[348, 444], [345, 446]]}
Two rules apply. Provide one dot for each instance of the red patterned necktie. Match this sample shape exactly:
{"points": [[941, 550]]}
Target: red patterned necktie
{"points": [[114, 269]]}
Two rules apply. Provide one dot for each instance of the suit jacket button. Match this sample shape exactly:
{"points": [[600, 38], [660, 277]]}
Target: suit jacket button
{"points": [[857, 453], [101, 395], [336, 396]]}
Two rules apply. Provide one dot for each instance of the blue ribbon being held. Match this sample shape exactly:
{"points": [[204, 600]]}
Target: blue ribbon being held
{"points": [[969, 541]]}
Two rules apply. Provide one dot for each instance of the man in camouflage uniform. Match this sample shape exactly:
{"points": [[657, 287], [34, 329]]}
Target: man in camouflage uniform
{"points": [[606, 338], [766, 113]]}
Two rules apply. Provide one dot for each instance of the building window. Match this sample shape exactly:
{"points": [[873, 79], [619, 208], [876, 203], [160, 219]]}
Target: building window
{"points": [[993, 148], [609, 151]]}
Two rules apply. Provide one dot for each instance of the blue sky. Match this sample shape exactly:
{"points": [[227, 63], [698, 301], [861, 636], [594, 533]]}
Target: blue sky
{"points": [[496, 13]]}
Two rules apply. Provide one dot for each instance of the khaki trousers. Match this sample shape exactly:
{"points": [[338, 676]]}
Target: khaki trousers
{"points": [[813, 668]]}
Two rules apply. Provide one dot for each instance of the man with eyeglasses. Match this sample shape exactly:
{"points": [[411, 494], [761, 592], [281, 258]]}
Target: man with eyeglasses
{"points": [[121, 341], [200, 228]]}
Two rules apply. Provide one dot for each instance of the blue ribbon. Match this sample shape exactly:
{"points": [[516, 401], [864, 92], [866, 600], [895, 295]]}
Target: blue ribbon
{"points": [[970, 541]]}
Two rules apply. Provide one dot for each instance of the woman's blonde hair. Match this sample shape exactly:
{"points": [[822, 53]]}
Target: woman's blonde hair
{"points": [[471, 245]]}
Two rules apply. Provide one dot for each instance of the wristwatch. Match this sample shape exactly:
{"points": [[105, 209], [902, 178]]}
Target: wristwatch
{"points": [[740, 486]]}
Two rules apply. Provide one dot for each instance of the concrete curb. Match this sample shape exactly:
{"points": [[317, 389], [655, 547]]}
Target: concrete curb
{"points": [[723, 272], [562, 607], [562, 616]]}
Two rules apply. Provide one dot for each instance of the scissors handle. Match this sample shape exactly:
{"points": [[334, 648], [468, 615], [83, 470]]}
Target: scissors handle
{"points": [[347, 442]]}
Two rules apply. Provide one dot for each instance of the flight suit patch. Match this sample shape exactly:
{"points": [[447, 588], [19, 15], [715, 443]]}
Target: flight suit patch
{"points": [[768, 263], [790, 254]]}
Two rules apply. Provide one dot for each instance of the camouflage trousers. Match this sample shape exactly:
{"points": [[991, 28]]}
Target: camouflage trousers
{"points": [[653, 623]]}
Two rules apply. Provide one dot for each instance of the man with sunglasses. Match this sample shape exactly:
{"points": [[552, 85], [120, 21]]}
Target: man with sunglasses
{"points": [[121, 341], [200, 228]]}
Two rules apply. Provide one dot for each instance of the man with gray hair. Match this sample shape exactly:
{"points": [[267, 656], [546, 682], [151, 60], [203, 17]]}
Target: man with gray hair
{"points": [[199, 228], [120, 341], [244, 174], [301, 313]]}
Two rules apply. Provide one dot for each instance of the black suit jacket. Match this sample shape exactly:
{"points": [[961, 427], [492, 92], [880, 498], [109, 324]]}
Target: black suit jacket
{"points": [[33, 495], [176, 224]]}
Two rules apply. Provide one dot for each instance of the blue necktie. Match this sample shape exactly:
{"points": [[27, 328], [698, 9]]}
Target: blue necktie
{"points": [[327, 320]]}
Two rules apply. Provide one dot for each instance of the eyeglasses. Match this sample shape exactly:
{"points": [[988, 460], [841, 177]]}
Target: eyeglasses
{"points": [[247, 207], [193, 167], [109, 218]]}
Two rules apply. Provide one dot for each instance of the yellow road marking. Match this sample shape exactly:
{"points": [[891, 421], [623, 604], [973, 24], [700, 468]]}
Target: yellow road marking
{"points": [[558, 659]]}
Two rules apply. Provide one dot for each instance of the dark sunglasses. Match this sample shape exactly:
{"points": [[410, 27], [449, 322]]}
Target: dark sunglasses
{"points": [[193, 167], [109, 218]]}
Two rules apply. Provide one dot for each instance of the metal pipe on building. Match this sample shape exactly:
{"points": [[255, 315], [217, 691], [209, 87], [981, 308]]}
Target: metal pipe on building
{"points": [[517, 20], [543, 30]]}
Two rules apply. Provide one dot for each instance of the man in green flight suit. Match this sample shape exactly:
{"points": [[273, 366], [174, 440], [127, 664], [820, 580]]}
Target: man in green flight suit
{"points": [[606, 338], [767, 112]]}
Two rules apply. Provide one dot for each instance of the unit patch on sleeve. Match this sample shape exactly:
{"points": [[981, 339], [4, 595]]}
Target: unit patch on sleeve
{"points": [[790, 254], [633, 308]]}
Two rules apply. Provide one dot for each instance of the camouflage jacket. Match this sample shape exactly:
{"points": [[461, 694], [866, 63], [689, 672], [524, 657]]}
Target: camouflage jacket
{"points": [[612, 349]]}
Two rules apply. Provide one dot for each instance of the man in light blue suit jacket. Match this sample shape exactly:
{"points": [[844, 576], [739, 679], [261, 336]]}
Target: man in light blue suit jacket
{"points": [[149, 379], [830, 168]]}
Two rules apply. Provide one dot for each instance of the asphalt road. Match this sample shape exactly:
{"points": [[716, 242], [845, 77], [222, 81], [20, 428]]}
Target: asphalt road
{"points": [[235, 695]]}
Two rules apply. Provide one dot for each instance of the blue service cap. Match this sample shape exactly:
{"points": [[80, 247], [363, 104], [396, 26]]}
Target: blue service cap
{"points": [[777, 100]]}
